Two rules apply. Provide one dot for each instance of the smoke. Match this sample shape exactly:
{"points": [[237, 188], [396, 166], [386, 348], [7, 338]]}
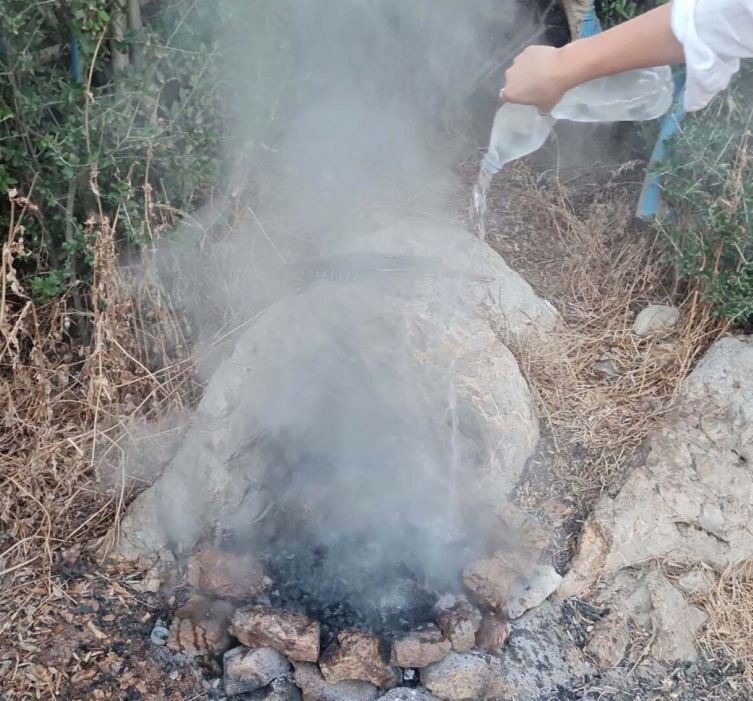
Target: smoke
{"points": [[348, 115]]}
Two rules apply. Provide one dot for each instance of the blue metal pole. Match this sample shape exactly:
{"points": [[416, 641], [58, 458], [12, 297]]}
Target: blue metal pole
{"points": [[649, 203], [76, 61]]}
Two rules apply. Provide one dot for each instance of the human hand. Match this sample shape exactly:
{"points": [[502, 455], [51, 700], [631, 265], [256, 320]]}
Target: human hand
{"points": [[536, 77]]}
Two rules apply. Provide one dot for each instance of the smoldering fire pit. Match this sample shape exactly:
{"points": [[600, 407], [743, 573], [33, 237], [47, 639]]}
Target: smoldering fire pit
{"points": [[346, 482]]}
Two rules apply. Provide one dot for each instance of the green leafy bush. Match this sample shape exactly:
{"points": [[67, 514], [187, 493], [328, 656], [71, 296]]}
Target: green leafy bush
{"points": [[134, 137], [708, 180]]}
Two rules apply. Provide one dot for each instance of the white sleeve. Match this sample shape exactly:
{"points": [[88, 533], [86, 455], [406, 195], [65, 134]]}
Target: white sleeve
{"points": [[715, 35]]}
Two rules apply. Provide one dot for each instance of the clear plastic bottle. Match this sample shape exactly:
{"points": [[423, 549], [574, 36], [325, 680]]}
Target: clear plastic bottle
{"points": [[639, 95]]}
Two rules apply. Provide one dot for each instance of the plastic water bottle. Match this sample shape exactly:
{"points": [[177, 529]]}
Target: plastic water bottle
{"points": [[638, 96]]}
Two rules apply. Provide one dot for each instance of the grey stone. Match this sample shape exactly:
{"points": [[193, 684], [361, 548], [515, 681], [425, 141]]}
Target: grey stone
{"points": [[159, 635], [404, 694], [531, 591], [281, 689], [248, 670], [420, 648], [293, 634], [459, 620], [459, 677], [201, 627], [655, 318], [358, 656], [310, 681], [674, 622], [608, 368]]}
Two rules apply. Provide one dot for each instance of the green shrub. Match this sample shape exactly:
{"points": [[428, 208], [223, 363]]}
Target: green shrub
{"points": [[136, 137], [708, 180]]}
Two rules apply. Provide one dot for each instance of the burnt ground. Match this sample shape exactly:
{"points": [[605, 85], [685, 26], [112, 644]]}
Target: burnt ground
{"points": [[90, 639]]}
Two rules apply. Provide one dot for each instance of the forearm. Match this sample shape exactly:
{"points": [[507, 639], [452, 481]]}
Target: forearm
{"points": [[643, 42]]}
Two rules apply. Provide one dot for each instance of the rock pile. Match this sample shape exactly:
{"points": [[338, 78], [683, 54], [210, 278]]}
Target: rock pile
{"points": [[458, 657]]}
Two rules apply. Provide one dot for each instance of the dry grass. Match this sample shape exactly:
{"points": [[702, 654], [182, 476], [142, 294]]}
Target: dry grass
{"points": [[729, 631], [581, 250], [67, 406]]}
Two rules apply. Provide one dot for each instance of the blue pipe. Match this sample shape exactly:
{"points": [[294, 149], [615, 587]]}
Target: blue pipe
{"points": [[649, 203], [78, 75]]}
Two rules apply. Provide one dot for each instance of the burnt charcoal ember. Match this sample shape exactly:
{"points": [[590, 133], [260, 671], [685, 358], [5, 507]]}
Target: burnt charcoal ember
{"points": [[201, 627], [248, 670], [312, 581], [459, 677], [227, 574], [358, 657], [420, 648], [293, 634], [310, 681], [492, 633], [459, 620]]}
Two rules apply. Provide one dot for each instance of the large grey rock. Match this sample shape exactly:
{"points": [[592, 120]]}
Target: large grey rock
{"points": [[327, 373]]}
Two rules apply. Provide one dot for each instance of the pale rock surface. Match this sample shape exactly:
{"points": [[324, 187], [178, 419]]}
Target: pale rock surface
{"points": [[538, 656], [655, 318], [404, 694]]}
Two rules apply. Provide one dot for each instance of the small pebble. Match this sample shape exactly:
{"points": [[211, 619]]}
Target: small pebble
{"points": [[159, 635]]}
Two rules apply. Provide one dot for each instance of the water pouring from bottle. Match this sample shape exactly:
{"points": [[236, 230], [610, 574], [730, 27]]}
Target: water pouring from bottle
{"points": [[519, 130]]}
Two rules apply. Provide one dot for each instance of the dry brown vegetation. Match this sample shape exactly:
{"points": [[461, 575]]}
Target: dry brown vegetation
{"points": [[580, 249], [729, 631], [66, 407]]}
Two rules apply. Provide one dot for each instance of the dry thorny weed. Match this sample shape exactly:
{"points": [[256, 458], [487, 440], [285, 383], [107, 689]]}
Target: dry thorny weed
{"points": [[67, 406]]}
